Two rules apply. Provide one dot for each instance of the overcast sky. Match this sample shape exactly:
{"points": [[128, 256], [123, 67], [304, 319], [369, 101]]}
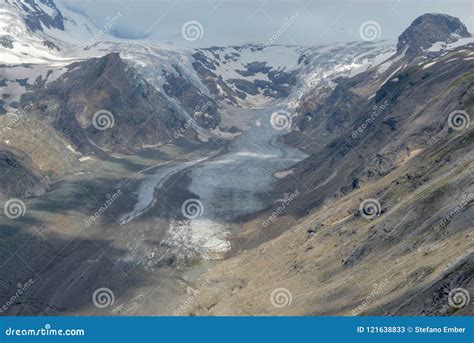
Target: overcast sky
{"points": [[229, 22]]}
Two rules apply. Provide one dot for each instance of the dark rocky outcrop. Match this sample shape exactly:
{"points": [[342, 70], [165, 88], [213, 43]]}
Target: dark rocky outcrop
{"points": [[428, 29], [141, 115], [7, 41], [278, 85], [202, 108], [19, 176], [35, 17]]}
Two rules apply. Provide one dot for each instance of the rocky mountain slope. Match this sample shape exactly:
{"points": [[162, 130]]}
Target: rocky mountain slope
{"points": [[20, 177], [107, 108], [382, 105], [384, 213]]}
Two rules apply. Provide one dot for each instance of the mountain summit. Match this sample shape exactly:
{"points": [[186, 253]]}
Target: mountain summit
{"points": [[428, 29]]}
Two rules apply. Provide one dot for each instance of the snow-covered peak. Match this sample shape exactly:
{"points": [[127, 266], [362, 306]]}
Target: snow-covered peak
{"points": [[19, 44], [40, 31], [38, 14]]}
